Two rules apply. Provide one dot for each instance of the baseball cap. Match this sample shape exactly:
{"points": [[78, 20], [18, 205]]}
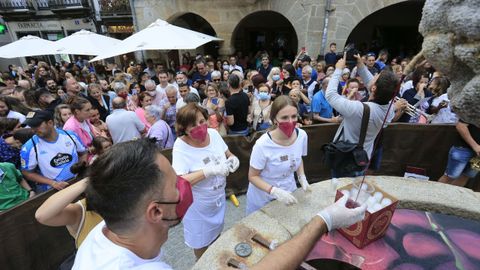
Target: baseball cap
{"points": [[345, 71], [36, 118]]}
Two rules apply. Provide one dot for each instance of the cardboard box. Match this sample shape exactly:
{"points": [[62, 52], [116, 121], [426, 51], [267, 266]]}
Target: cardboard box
{"points": [[373, 226]]}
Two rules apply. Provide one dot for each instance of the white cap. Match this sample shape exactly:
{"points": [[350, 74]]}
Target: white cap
{"points": [[345, 70]]}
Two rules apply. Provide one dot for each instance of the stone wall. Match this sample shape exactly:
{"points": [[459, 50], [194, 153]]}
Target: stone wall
{"points": [[451, 31], [306, 16]]}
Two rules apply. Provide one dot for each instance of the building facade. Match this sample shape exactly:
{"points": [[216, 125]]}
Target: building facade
{"points": [[55, 19], [312, 24]]}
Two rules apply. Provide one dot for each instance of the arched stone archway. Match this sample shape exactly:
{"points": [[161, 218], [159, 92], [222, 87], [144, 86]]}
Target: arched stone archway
{"points": [[348, 14], [197, 23], [394, 27], [265, 31], [307, 17]]}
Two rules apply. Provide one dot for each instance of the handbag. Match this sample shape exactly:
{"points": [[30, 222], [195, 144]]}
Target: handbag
{"points": [[345, 157]]}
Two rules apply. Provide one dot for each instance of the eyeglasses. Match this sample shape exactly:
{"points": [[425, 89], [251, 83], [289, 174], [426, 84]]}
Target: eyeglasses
{"points": [[216, 80]]}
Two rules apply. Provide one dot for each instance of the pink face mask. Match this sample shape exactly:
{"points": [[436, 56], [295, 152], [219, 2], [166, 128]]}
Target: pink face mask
{"points": [[185, 199], [287, 128], [199, 133]]}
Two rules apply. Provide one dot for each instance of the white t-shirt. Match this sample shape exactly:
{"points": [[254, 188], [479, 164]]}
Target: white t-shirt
{"points": [[187, 159], [16, 115], [53, 159], [444, 115], [161, 96], [98, 252], [180, 104], [277, 164]]}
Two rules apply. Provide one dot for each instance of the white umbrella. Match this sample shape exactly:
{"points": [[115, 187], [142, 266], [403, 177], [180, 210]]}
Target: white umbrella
{"points": [[85, 42], [159, 35], [28, 46]]}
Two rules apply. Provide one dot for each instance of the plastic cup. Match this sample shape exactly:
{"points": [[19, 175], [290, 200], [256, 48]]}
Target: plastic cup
{"points": [[363, 191]]}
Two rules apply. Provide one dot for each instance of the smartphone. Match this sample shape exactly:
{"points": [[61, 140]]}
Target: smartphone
{"points": [[250, 88], [215, 101]]}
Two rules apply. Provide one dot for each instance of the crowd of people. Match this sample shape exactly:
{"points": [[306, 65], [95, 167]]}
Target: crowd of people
{"points": [[56, 121]]}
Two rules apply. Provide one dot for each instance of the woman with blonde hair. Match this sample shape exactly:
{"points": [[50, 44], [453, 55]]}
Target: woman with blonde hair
{"points": [[216, 108], [61, 115]]}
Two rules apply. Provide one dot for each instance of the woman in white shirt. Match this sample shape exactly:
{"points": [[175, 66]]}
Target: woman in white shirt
{"points": [[275, 157], [201, 156]]}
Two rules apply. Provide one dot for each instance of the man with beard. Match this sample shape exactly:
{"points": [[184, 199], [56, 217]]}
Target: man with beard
{"points": [[51, 86], [47, 157], [138, 214]]}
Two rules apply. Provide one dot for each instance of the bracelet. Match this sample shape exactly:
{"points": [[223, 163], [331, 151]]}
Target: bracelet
{"points": [[29, 190], [270, 190]]}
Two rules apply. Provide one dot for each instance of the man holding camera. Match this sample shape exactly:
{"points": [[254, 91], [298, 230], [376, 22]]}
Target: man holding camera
{"points": [[382, 89]]}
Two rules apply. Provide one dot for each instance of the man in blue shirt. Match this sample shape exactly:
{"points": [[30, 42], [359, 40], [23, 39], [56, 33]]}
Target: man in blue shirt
{"points": [[322, 111], [202, 73], [48, 156]]}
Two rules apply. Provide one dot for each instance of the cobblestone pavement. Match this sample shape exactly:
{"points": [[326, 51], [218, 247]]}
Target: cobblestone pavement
{"points": [[179, 255]]}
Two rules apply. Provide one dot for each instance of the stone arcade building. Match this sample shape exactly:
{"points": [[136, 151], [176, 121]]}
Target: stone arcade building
{"points": [[300, 22]]}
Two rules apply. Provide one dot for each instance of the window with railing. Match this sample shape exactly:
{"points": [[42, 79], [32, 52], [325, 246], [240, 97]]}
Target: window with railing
{"points": [[67, 3], [15, 4], [117, 7], [42, 4]]}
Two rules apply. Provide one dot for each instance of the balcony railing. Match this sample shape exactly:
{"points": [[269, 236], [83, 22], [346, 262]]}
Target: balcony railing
{"points": [[115, 7], [16, 5], [66, 4]]}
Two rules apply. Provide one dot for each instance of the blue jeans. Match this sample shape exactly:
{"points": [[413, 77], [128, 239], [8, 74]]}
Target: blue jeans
{"points": [[459, 162]]}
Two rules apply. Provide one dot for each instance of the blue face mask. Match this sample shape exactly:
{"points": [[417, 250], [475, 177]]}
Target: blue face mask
{"points": [[263, 96], [276, 77]]}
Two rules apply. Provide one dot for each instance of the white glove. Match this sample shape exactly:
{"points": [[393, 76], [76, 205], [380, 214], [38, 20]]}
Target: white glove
{"points": [[233, 163], [304, 183], [220, 169], [338, 216], [283, 196]]}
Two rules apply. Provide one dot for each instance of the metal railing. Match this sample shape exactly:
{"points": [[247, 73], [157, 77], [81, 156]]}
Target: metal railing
{"points": [[60, 4], [13, 5], [115, 7]]}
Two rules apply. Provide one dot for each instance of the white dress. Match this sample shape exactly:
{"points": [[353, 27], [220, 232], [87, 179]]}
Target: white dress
{"points": [[277, 164], [204, 220]]}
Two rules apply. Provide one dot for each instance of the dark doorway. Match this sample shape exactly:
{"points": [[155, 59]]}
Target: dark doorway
{"points": [[265, 31], [197, 23], [394, 28]]}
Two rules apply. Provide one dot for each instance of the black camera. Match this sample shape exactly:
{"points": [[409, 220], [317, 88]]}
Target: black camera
{"points": [[351, 52]]}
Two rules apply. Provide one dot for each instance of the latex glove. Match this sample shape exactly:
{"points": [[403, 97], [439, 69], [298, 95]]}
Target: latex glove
{"points": [[233, 163], [283, 196], [304, 183], [220, 169], [338, 216]]}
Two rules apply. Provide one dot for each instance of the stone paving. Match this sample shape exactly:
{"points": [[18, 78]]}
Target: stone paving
{"points": [[179, 255]]}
